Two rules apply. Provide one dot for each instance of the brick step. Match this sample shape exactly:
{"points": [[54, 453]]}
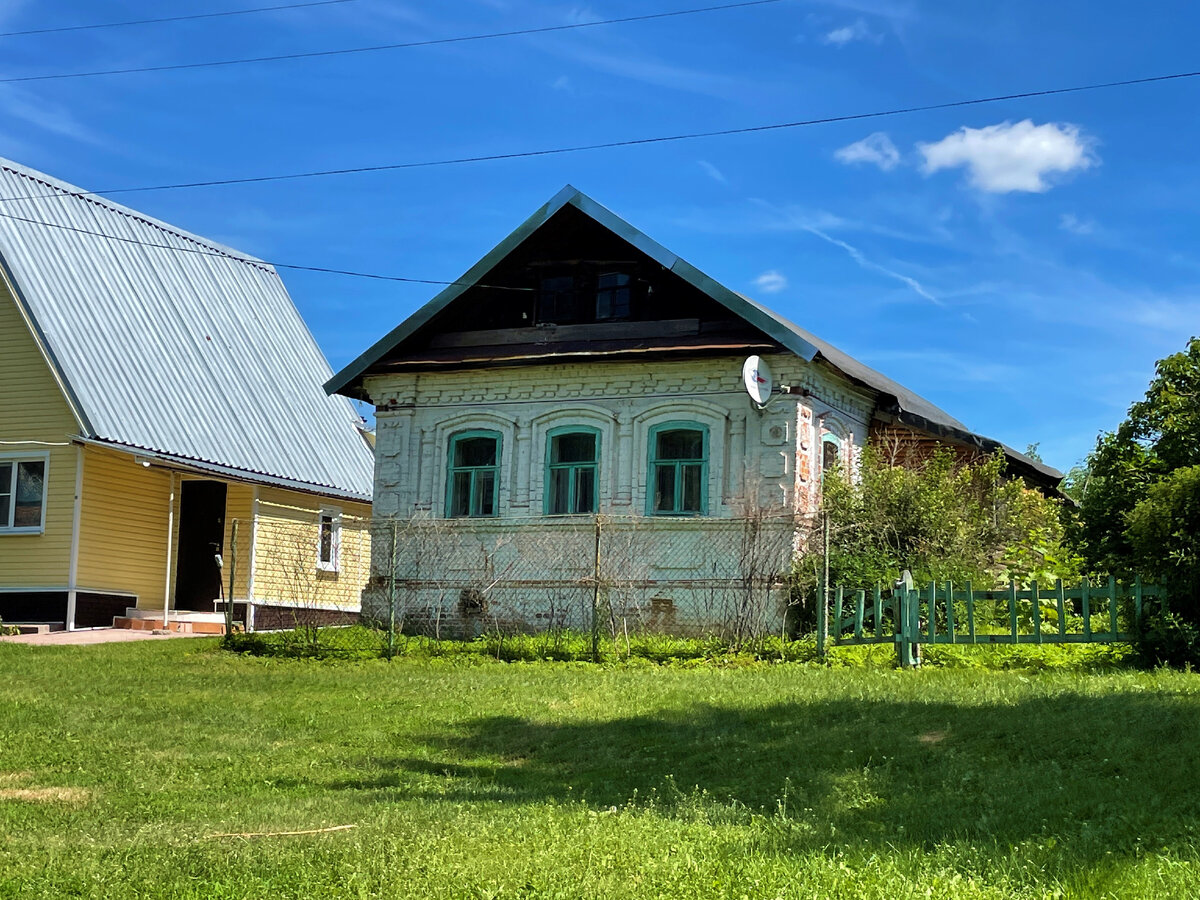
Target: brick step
{"points": [[140, 623]]}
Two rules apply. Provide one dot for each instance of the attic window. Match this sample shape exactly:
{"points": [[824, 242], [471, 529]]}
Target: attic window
{"points": [[557, 301], [612, 296]]}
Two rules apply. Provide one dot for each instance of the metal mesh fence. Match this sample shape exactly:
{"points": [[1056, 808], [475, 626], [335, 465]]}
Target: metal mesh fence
{"points": [[459, 579]]}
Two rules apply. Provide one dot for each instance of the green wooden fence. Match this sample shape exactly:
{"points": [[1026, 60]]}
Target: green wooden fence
{"points": [[945, 614]]}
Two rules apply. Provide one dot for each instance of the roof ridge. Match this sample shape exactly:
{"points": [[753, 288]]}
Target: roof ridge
{"points": [[66, 189]]}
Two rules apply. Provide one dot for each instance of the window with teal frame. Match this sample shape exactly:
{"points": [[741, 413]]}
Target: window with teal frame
{"points": [[831, 454], [678, 482], [572, 463], [473, 484]]}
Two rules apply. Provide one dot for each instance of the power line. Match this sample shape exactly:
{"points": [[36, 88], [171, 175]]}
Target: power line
{"points": [[376, 48], [213, 15], [662, 139], [200, 251]]}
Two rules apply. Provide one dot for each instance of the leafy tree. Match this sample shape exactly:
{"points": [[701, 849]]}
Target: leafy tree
{"points": [[1160, 434]]}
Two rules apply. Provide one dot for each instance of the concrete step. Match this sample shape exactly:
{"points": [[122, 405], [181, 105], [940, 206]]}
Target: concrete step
{"points": [[37, 627]]}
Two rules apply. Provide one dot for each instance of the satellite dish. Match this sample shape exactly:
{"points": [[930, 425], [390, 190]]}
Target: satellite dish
{"points": [[756, 376]]}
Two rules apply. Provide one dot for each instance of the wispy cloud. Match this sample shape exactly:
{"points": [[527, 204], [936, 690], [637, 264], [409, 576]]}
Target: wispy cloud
{"points": [[876, 149], [871, 266], [771, 282], [21, 105], [1075, 225], [563, 83], [712, 171], [848, 34], [1012, 157]]}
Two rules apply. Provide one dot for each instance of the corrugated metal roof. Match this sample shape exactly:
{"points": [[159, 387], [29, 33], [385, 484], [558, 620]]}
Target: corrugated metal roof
{"points": [[909, 407], [187, 348]]}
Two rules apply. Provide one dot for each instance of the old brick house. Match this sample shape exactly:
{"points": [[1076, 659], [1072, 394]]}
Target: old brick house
{"points": [[581, 368]]}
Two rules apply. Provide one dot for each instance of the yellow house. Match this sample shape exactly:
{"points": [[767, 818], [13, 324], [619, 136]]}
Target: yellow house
{"points": [[165, 441]]}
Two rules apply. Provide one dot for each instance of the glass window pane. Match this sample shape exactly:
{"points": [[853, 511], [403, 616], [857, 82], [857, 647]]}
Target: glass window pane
{"points": [[830, 455], [570, 448], [664, 489], [326, 553], [585, 489], [484, 503], [460, 494], [475, 451], [680, 444], [31, 482], [5, 479], [5, 501], [692, 477], [560, 485]]}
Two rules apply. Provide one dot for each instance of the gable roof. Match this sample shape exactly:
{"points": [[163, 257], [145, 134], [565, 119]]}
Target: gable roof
{"points": [[168, 342], [897, 400]]}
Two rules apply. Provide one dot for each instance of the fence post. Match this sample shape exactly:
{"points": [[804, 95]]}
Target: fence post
{"points": [[905, 627], [596, 598], [232, 575], [1137, 604], [391, 635]]}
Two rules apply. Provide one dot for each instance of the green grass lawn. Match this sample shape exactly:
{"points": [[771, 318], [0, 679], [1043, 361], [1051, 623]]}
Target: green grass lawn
{"points": [[469, 778]]}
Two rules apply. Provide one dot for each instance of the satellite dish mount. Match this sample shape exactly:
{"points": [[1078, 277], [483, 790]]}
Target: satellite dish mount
{"points": [[756, 376]]}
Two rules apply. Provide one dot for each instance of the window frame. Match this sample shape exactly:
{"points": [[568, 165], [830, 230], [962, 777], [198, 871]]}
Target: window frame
{"points": [[653, 462], [831, 438], [335, 539], [550, 466], [451, 469], [16, 458], [623, 287]]}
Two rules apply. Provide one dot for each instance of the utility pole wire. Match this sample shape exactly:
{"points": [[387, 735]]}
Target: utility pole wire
{"points": [[213, 15], [634, 142], [316, 54]]}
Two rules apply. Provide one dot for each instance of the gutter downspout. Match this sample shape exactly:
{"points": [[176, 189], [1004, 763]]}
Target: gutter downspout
{"points": [[250, 571], [170, 544], [76, 517]]}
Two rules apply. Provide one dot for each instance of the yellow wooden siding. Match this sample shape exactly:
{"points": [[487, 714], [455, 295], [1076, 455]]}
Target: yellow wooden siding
{"points": [[33, 408], [285, 552], [123, 527], [239, 507]]}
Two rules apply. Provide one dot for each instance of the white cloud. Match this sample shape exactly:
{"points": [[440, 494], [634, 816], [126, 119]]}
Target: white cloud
{"points": [[1011, 157], [1072, 223], [876, 149], [563, 83], [771, 282], [712, 171], [856, 31]]}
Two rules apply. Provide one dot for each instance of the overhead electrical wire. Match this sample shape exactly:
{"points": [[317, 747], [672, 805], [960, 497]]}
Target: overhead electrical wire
{"points": [[315, 54], [632, 142], [212, 15], [201, 251]]}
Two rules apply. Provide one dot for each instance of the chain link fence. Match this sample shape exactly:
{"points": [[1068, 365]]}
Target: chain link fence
{"points": [[602, 578]]}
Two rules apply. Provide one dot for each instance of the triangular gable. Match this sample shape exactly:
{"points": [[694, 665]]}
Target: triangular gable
{"points": [[570, 196]]}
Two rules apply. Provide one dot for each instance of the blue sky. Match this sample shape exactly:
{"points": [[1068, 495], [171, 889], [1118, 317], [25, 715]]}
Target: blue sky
{"points": [[1022, 264]]}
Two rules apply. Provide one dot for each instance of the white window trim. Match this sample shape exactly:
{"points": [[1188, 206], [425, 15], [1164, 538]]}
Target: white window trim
{"points": [[17, 457], [335, 515]]}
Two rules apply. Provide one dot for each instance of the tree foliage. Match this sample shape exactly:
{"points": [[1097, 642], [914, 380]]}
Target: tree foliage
{"points": [[942, 519], [1160, 434]]}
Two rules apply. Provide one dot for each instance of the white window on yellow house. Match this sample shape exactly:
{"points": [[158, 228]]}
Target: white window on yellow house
{"points": [[329, 535], [22, 493]]}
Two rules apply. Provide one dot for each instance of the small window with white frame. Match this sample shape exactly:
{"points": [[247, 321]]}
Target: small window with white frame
{"points": [[23, 493], [329, 539]]}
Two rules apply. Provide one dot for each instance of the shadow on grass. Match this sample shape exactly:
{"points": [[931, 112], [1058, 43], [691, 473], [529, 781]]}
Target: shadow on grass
{"points": [[1098, 774]]}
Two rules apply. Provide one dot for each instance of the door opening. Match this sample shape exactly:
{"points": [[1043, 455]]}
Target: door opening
{"points": [[201, 538]]}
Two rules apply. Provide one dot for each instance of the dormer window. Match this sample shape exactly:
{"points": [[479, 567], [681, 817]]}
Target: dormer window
{"points": [[612, 296]]}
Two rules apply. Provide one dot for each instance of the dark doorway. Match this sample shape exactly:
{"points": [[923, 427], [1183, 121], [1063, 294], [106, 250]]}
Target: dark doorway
{"points": [[201, 537]]}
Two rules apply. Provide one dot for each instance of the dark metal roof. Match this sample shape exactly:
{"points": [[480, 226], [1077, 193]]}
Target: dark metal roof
{"points": [[895, 399]]}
